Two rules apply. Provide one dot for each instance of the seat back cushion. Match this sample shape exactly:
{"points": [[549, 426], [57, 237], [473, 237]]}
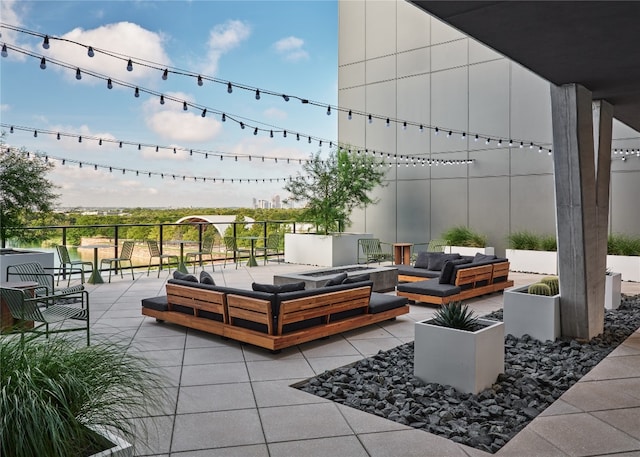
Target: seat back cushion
{"points": [[206, 278], [448, 268], [337, 279], [355, 279], [480, 257], [437, 259], [423, 260], [277, 289], [183, 276]]}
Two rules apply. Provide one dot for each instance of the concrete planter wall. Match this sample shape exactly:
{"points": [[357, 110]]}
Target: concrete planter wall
{"points": [[465, 250], [322, 250], [120, 448], [542, 262], [19, 256], [612, 290], [627, 265], [534, 315], [468, 361]]}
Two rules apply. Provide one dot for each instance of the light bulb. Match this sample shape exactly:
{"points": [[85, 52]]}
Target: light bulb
{"points": [[255, 132], [370, 119], [309, 140], [476, 138], [162, 99], [4, 50], [100, 142], [45, 43], [404, 125], [421, 128], [241, 126], [109, 84], [43, 63], [224, 117], [464, 135], [129, 65], [510, 143], [436, 131], [165, 74], [58, 136], [204, 112], [488, 141], [90, 52], [449, 134], [270, 135], [284, 134], [136, 93], [229, 88], [388, 122], [184, 106], [200, 82], [78, 74], [120, 145], [297, 136], [257, 94], [350, 115], [79, 139], [521, 145], [286, 97], [328, 110]]}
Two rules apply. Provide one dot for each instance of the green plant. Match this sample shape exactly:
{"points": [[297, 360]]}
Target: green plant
{"points": [[539, 288], [553, 282], [618, 244], [52, 390], [333, 187], [548, 243], [523, 240], [456, 315], [464, 236]]}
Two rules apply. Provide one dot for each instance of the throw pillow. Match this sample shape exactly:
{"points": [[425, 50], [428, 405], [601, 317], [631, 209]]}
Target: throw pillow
{"points": [[479, 257], [355, 279], [337, 279], [184, 277], [437, 260], [275, 289], [447, 269], [205, 278], [292, 286], [423, 260]]}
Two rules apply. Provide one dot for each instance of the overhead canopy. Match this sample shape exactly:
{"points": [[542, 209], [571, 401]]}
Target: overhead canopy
{"points": [[220, 222], [594, 44]]}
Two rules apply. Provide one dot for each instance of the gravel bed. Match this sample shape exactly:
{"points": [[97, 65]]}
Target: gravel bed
{"points": [[536, 374]]}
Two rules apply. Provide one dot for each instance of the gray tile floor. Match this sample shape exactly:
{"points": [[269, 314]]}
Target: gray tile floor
{"points": [[231, 399]]}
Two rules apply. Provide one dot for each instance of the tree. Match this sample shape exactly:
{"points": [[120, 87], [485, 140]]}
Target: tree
{"points": [[333, 187], [25, 191]]}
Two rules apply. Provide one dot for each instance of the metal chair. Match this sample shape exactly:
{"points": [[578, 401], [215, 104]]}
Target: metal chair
{"points": [[271, 246], [43, 309], [65, 260], [207, 249], [435, 245], [125, 256], [33, 271], [154, 251], [374, 250], [231, 245]]}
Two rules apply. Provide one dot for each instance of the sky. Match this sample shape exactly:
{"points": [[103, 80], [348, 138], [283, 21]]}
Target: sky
{"points": [[279, 47]]}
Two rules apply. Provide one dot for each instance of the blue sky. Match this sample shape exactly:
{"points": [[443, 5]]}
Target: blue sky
{"points": [[286, 47]]}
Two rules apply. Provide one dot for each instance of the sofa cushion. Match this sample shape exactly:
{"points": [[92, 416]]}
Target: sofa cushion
{"points": [[408, 270], [437, 260], [356, 279], [429, 287], [157, 303], [183, 276], [337, 279], [276, 289], [448, 268], [379, 303], [206, 278], [480, 257], [423, 260]]}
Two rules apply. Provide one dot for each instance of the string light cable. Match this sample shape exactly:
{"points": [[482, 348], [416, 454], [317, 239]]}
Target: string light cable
{"points": [[230, 85]]}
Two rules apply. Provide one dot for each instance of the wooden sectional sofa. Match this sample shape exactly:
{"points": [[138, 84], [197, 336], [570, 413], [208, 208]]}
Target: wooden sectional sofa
{"points": [[457, 279], [273, 320]]}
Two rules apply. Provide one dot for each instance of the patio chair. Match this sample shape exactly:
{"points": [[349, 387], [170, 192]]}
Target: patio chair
{"points": [[65, 261], [435, 245], [33, 271], [231, 245], [271, 246], [206, 250], [44, 309], [154, 251], [125, 256], [374, 250]]}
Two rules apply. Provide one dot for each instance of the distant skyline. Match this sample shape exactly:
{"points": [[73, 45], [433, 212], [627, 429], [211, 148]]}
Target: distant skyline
{"points": [[287, 47]]}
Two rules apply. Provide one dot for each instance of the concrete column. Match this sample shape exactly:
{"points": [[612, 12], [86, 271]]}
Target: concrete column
{"points": [[578, 191]]}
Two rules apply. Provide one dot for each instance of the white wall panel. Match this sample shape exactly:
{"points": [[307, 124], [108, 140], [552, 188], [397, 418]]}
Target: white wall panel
{"points": [[351, 29], [414, 62], [449, 203], [352, 131], [381, 100], [380, 30], [478, 52], [381, 69], [351, 75], [415, 27], [441, 32], [449, 107], [488, 209], [530, 106], [413, 213], [489, 99], [449, 55]]}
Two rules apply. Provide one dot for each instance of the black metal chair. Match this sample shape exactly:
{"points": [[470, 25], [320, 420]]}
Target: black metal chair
{"points": [[125, 256]]}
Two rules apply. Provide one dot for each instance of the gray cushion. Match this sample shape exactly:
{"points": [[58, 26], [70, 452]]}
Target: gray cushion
{"points": [[157, 303], [185, 277], [412, 271], [437, 259], [429, 287], [356, 278], [448, 268], [205, 278], [423, 260], [479, 257], [337, 279], [276, 289], [384, 302]]}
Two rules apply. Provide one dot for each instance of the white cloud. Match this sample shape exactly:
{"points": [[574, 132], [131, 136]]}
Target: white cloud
{"points": [[172, 123], [4, 107], [291, 48], [222, 39], [275, 113], [11, 12], [264, 146], [123, 38]]}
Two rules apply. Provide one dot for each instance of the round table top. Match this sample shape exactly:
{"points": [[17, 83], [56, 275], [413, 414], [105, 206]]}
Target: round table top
{"points": [[19, 284]]}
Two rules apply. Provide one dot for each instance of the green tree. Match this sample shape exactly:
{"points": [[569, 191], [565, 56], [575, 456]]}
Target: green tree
{"points": [[333, 187], [25, 192]]}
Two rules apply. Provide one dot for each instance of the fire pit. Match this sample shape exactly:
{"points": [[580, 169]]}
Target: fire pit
{"points": [[384, 278]]}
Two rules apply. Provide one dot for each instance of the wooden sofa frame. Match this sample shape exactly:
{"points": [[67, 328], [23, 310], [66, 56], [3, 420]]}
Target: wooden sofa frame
{"points": [[481, 279], [258, 311]]}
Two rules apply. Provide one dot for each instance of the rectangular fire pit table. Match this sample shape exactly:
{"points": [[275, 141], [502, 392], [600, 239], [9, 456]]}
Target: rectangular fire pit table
{"points": [[384, 279]]}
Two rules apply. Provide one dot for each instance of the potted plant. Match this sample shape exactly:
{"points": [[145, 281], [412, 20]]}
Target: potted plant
{"points": [[60, 399], [623, 256], [532, 253], [459, 349], [533, 310], [612, 289], [331, 188], [465, 241]]}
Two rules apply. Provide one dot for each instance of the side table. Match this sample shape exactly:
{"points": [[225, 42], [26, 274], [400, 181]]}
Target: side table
{"points": [[402, 253]]}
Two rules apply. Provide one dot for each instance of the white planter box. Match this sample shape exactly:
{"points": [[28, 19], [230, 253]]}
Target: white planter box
{"points": [[24, 256], [120, 448], [464, 250], [541, 262], [534, 315], [627, 265], [322, 250], [468, 361], [612, 290]]}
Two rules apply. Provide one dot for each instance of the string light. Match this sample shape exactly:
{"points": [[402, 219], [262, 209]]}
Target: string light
{"points": [[165, 74], [200, 82], [43, 63], [129, 65], [229, 88], [78, 74], [90, 52], [350, 115], [257, 94], [109, 84], [4, 51], [45, 42]]}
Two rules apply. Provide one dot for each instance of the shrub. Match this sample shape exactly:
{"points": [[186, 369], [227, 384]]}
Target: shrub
{"points": [[464, 236], [456, 315], [548, 243], [618, 244], [523, 240]]}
